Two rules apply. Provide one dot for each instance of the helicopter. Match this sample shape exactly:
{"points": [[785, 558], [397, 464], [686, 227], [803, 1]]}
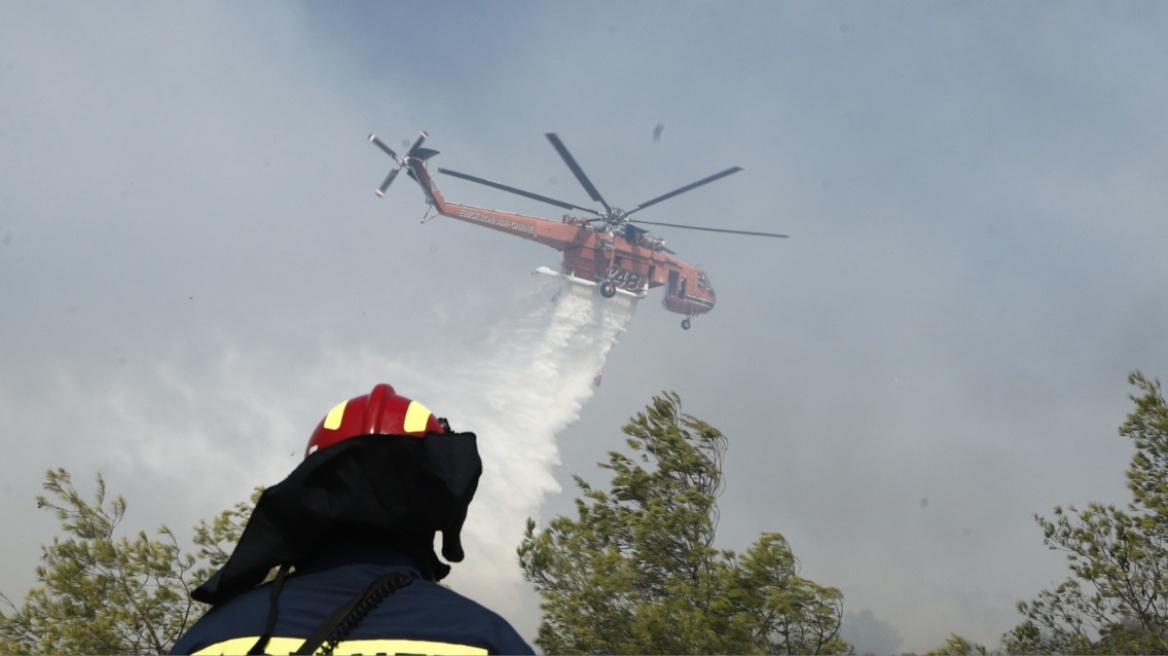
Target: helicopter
{"points": [[606, 250]]}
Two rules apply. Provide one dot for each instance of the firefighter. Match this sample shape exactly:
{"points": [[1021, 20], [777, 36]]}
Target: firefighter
{"points": [[350, 534]]}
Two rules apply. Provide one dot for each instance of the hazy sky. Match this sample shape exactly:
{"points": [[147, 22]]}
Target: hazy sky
{"points": [[194, 268]]}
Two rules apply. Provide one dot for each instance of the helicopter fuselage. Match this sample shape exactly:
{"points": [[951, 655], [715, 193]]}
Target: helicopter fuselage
{"points": [[632, 262]]}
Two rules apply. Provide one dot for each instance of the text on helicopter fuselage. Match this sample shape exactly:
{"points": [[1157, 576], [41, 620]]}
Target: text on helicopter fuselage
{"points": [[495, 220]]}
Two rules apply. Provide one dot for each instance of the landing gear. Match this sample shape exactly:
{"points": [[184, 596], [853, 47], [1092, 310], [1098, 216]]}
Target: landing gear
{"points": [[685, 323], [607, 289]]}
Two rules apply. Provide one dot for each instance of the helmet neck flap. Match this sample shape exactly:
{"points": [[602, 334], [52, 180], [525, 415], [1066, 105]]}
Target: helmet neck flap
{"points": [[392, 490]]}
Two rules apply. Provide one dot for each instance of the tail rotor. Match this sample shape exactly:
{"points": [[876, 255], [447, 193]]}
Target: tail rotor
{"points": [[415, 152]]}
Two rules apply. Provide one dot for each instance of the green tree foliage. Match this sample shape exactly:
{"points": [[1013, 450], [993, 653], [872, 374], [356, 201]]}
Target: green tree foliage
{"points": [[637, 573], [1116, 602], [216, 539], [103, 594], [957, 645]]}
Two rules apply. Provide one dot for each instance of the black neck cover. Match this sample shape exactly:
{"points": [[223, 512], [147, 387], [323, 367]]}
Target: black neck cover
{"points": [[392, 490]]}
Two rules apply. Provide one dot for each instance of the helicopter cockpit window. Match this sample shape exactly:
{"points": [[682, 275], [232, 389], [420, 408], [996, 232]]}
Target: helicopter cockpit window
{"points": [[702, 282]]}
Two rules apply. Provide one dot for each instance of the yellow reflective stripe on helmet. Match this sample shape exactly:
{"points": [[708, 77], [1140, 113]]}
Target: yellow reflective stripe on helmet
{"points": [[332, 420], [289, 645], [417, 416]]}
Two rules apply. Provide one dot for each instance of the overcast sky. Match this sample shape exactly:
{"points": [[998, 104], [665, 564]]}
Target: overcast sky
{"points": [[194, 268]]}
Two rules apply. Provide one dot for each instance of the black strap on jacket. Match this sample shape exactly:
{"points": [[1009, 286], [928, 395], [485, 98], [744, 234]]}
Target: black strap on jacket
{"points": [[344, 619], [340, 622], [273, 611]]}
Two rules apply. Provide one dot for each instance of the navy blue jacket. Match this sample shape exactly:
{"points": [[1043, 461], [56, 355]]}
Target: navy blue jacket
{"points": [[420, 618]]}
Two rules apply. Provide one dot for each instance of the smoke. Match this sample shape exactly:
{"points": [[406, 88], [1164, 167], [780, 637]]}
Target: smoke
{"points": [[870, 635]]}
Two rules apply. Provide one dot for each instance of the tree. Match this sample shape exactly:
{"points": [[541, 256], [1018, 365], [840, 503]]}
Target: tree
{"points": [[1117, 599], [957, 645], [101, 594], [637, 573]]}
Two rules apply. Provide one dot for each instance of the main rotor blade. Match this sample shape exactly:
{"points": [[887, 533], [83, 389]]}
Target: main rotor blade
{"points": [[682, 190], [528, 194], [734, 232], [576, 170], [381, 144]]}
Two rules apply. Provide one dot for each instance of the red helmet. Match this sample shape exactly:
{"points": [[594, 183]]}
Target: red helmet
{"points": [[380, 412]]}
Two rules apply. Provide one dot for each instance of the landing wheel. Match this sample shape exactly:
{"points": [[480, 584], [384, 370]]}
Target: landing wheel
{"points": [[607, 289], [685, 323]]}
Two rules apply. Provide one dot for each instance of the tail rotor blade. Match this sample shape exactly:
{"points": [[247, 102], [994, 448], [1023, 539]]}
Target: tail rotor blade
{"points": [[381, 144], [418, 142], [388, 179]]}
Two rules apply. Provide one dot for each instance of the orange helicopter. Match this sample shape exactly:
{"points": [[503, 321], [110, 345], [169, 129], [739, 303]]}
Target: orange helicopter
{"points": [[606, 250]]}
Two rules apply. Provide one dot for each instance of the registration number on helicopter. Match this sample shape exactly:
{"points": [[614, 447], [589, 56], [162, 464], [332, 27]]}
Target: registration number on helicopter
{"points": [[625, 278]]}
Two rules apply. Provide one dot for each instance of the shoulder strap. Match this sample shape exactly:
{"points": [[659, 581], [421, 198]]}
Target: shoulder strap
{"points": [[273, 611], [345, 618]]}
